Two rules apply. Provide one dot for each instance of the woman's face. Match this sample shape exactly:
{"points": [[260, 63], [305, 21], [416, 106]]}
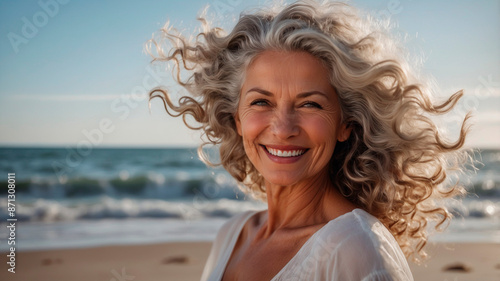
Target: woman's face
{"points": [[289, 117]]}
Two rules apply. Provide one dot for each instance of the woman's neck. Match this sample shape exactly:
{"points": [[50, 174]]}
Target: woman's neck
{"points": [[310, 202]]}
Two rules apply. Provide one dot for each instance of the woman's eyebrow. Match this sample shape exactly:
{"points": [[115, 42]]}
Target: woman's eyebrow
{"points": [[301, 95], [261, 91]]}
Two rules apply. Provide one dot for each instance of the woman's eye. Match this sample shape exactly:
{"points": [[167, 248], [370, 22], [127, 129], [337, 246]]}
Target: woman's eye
{"points": [[311, 104], [260, 103]]}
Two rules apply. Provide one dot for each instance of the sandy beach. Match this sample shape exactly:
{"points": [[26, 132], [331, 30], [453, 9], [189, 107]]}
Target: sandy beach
{"points": [[184, 261]]}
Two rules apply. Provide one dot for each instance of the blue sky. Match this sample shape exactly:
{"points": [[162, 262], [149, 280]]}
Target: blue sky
{"points": [[74, 72]]}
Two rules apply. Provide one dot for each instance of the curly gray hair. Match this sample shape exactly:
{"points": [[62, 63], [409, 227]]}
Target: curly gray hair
{"points": [[393, 165]]}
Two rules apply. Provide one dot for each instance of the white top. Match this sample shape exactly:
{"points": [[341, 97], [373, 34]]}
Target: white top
{"points": [[353, 247]]}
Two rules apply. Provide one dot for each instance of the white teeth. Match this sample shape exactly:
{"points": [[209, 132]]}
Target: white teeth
{"points": [[282, 153]]}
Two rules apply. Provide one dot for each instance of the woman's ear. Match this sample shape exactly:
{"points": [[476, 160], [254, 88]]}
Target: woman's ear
{"points": [[344, 133], [237, 121]]}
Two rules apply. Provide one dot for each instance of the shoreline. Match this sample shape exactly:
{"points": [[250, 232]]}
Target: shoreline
{"points": [[185, 261]]}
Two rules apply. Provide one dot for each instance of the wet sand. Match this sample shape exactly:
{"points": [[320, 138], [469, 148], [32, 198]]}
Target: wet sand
{"points": [[185, 261]]}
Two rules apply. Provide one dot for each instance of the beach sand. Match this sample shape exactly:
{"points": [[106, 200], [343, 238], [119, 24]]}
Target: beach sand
{"points": [[185, 261]]}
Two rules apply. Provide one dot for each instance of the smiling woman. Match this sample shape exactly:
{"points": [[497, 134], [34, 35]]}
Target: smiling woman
{"points": [[316, 112], [289, 114]]}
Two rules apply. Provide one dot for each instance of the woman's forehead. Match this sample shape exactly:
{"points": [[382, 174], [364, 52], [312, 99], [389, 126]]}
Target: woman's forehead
{"points": [[293, 68]]}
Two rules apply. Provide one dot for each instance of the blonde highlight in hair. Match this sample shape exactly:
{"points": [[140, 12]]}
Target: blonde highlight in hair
{"points": [[394, 163]]}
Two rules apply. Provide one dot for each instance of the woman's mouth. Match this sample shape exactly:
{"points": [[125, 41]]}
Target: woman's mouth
{"points": [[284, 152]]}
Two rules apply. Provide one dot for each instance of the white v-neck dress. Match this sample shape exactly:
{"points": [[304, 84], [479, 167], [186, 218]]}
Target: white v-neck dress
{"points": [[353, 247]]}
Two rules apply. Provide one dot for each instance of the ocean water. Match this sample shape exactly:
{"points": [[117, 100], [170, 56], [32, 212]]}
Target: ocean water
{"points": [[68, 198]]}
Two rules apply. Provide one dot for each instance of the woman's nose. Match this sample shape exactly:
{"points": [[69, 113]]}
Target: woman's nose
{"points": [[284, 124]]}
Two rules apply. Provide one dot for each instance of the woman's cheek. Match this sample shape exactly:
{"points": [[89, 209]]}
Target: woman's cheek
{"points": [[252, 125], [320, 127]]}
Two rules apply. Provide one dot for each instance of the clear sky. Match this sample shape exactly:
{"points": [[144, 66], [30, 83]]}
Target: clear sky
{"points": [[76, 71]]}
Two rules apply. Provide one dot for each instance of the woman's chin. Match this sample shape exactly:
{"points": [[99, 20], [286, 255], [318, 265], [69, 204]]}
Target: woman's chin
{"points": [[282, 179]]}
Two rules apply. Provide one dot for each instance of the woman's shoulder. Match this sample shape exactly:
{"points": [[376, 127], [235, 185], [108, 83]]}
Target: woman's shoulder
{"points": [[223, 243], [359, 240], [355, 226], [359, 230]]}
